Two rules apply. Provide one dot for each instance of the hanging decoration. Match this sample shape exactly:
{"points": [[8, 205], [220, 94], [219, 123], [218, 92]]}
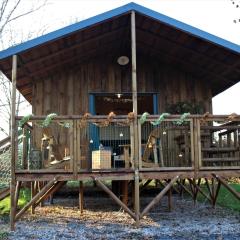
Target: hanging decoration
{"points": [[182, 118], [160, 119], [143, 118], [24, 120]]}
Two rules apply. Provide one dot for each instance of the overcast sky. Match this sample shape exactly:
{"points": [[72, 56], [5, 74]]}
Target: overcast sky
{"points": [[213, 16]]}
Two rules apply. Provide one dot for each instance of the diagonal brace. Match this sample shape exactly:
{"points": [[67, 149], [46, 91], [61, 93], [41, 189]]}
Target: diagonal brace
{"points": [[158, 197], [226, 185], [35, 198], [115, 198]]}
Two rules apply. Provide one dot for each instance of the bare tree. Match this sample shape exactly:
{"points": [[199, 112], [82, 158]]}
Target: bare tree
{"points": [[10, 12]]}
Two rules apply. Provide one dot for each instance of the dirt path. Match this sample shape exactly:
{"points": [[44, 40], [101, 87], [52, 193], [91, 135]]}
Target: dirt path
{"points": [[63, 221]]}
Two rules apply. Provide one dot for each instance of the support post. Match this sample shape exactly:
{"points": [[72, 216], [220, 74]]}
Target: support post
{"points": [[81, 196], [135, 111], [13, 143], [18, 187], [125, 192], [33, 194]]}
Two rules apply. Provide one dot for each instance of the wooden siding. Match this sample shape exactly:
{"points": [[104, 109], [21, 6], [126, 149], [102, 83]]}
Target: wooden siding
{"points": [[67, 92]]}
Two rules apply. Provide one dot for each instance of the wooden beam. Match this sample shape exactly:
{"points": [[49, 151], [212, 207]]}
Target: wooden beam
{"points": [[17, 191], [115, 198], [35, 198], [79, 44], [4, 193], [81, 203], [191, 52], [51, 191], [33, 194], [203, 193], [226, 185], [135, 123], [158, 197], [13, 142], [184, 187], [187, 65]]}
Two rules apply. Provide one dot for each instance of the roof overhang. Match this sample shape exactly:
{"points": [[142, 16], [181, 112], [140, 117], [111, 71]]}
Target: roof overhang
{"points": [[170, 41]]}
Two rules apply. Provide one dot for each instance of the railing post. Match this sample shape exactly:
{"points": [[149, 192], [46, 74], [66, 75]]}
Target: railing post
{"points": [[13, 142], [197, 146], [135, 111]]}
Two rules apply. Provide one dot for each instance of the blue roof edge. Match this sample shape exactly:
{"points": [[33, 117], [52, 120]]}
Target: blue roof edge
{"points": [[113, 13]]}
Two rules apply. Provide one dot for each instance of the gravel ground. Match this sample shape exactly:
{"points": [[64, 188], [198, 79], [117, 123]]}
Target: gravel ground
{"points": [[102, 219]]}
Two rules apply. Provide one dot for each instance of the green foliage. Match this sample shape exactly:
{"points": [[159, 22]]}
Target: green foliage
{"points": [[225, 198], [24, 197], [185, 107]]}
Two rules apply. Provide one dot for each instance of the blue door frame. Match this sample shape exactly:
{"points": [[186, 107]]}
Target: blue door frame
{"points": [[94, 130]]}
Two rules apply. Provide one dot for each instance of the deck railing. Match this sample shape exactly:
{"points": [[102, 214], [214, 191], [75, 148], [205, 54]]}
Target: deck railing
{"points": [[101, 143]]}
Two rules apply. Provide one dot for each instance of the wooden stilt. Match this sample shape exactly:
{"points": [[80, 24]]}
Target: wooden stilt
{"points": [[115, 198], [136, 195], [81, 196], [184, 187], [158, 197], [125, 192], [216, 194], [144, 185], [33, 193], [18, 187], [56, 186], [13, 143], [209, 190], [225, 184], [39, 187], [35, 199], [135, 123], [170, 206]]}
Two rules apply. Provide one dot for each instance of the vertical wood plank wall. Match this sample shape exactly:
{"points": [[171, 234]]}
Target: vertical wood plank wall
{"points": [[67, 91]]}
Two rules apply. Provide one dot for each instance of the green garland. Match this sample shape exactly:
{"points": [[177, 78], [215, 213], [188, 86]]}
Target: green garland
{"points": [[182, 118], [160, 119], [48, 120], [45, 123], [143, 118], [24, 120], [65, 124]]}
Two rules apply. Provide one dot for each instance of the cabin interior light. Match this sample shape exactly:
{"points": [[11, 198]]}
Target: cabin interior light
{"points": [[91, 141], [119, 95], [164, 133], [121, 134], [123, 60], [180, 155]]}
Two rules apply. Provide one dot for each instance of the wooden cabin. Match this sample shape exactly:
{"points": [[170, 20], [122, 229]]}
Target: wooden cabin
{"points": [[100, 77]]}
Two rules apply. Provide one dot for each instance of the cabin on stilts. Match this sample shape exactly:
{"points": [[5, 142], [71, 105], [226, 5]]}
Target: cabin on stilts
{"points": [[127, 96]]}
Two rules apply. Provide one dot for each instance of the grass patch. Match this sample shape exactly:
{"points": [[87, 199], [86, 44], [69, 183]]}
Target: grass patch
{"points": [[225, 198], [24, 197]]}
